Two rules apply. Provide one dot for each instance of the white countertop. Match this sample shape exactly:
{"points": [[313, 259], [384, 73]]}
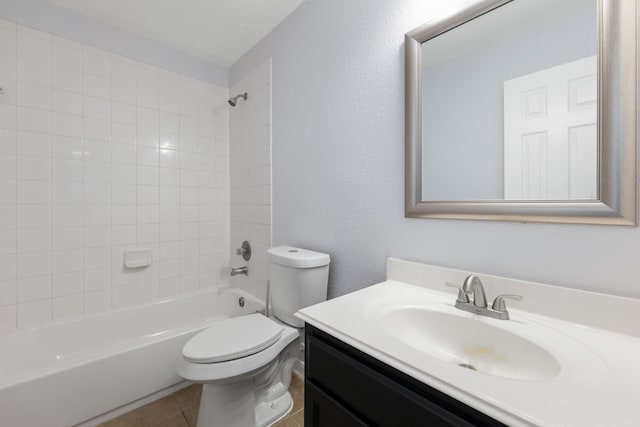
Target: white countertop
{"points": [[598, 384]]}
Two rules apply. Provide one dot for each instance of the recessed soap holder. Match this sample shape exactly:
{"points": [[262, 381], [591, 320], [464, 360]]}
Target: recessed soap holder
{"points": [[137, 257]]}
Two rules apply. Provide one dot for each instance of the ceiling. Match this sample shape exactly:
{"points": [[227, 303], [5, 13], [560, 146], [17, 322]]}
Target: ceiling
{"points": [[218, 31]]}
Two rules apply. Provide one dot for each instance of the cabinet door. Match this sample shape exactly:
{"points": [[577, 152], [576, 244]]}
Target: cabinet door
{"points": [[371, 393], [376, 394], [321, 410]]}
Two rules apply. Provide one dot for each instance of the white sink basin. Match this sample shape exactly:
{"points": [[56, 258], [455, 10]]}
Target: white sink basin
{"points": [[532, 370], [471, 342]]}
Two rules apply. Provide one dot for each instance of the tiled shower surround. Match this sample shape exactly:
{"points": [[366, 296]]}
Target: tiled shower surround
{"points": [[251, 177], [99, 153]]}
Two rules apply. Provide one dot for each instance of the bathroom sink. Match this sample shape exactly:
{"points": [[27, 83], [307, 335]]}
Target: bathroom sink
{"points": [[470, 342]]}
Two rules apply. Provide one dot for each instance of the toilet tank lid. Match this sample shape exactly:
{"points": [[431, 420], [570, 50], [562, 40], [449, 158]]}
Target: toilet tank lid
{"points": [[297, 257]]}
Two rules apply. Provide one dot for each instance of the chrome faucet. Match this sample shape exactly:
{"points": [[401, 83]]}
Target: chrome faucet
{"points": [[240, 270], [472, 298], [473, 286]]}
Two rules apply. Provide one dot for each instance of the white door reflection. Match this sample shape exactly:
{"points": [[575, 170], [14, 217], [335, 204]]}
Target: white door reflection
{"points": [[550, 133]]}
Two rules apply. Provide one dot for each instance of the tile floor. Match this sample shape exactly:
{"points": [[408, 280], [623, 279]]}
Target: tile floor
{"points": [[180, 409]]}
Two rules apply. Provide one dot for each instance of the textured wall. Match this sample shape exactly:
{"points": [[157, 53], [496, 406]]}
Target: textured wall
{"points": [[100, 153], [338, 162]]}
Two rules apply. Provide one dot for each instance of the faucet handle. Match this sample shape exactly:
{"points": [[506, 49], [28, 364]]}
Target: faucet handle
{"points": [[244, 251], [499, 305], [463, 297]]}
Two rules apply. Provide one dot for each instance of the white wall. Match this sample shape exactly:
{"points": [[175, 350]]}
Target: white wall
{"points": [[99, 153], [250, 127], [338, 162], [82, 29]]}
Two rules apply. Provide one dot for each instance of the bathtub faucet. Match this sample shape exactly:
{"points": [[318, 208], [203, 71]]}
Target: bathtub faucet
{"points": [[240, 270]]}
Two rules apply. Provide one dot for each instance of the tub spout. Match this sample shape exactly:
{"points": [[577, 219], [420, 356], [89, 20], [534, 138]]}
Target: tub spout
{"points": [[240, 270]]}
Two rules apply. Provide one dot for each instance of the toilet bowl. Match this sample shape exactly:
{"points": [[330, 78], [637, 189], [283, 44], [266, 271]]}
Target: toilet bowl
{"points": [[245, 363]]}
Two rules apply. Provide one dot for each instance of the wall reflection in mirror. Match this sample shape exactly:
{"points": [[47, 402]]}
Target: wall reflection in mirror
{"points": [[509, 105]]}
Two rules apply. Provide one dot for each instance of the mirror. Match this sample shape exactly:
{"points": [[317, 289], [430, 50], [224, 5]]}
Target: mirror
{"points": [[523, 110]]}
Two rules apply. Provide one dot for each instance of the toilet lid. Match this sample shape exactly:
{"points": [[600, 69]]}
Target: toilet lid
{"points": [[232, 339]]}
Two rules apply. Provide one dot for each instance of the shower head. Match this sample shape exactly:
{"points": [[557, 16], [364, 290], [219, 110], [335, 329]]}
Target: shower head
{"points": [[233, 101]]}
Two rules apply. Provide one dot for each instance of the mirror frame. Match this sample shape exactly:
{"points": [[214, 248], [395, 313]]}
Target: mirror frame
{"points": [[617, 128]]}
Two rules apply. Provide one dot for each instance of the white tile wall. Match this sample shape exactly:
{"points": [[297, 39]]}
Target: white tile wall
{"points": [[250, 176], [99, 153]]}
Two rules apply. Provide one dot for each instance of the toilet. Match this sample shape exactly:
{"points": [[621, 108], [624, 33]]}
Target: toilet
{"points": [[245, 363]]}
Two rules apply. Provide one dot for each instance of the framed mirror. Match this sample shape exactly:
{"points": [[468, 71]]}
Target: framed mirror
{"points": [[520, 110]]}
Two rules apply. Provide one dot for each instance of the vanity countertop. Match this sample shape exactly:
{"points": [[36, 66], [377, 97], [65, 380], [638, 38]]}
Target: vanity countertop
{"points": [[599, 375]]}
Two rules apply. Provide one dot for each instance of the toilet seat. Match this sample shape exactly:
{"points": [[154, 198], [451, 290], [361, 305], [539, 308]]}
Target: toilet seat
{"points": [[240, 366], [231, 339]]}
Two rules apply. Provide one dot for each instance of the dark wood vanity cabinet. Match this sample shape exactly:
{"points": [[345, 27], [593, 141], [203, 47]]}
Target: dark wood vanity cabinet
{"points": [[345, 387]]}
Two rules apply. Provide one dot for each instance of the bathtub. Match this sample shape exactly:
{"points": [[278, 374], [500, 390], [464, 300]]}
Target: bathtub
{"points": [[85, 371]]}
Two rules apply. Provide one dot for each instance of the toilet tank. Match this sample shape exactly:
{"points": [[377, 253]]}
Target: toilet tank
{"points": [[298, 279]]}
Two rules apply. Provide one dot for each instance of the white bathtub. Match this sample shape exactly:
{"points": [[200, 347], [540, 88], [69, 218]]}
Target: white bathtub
{"points": [[75, 372]]}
